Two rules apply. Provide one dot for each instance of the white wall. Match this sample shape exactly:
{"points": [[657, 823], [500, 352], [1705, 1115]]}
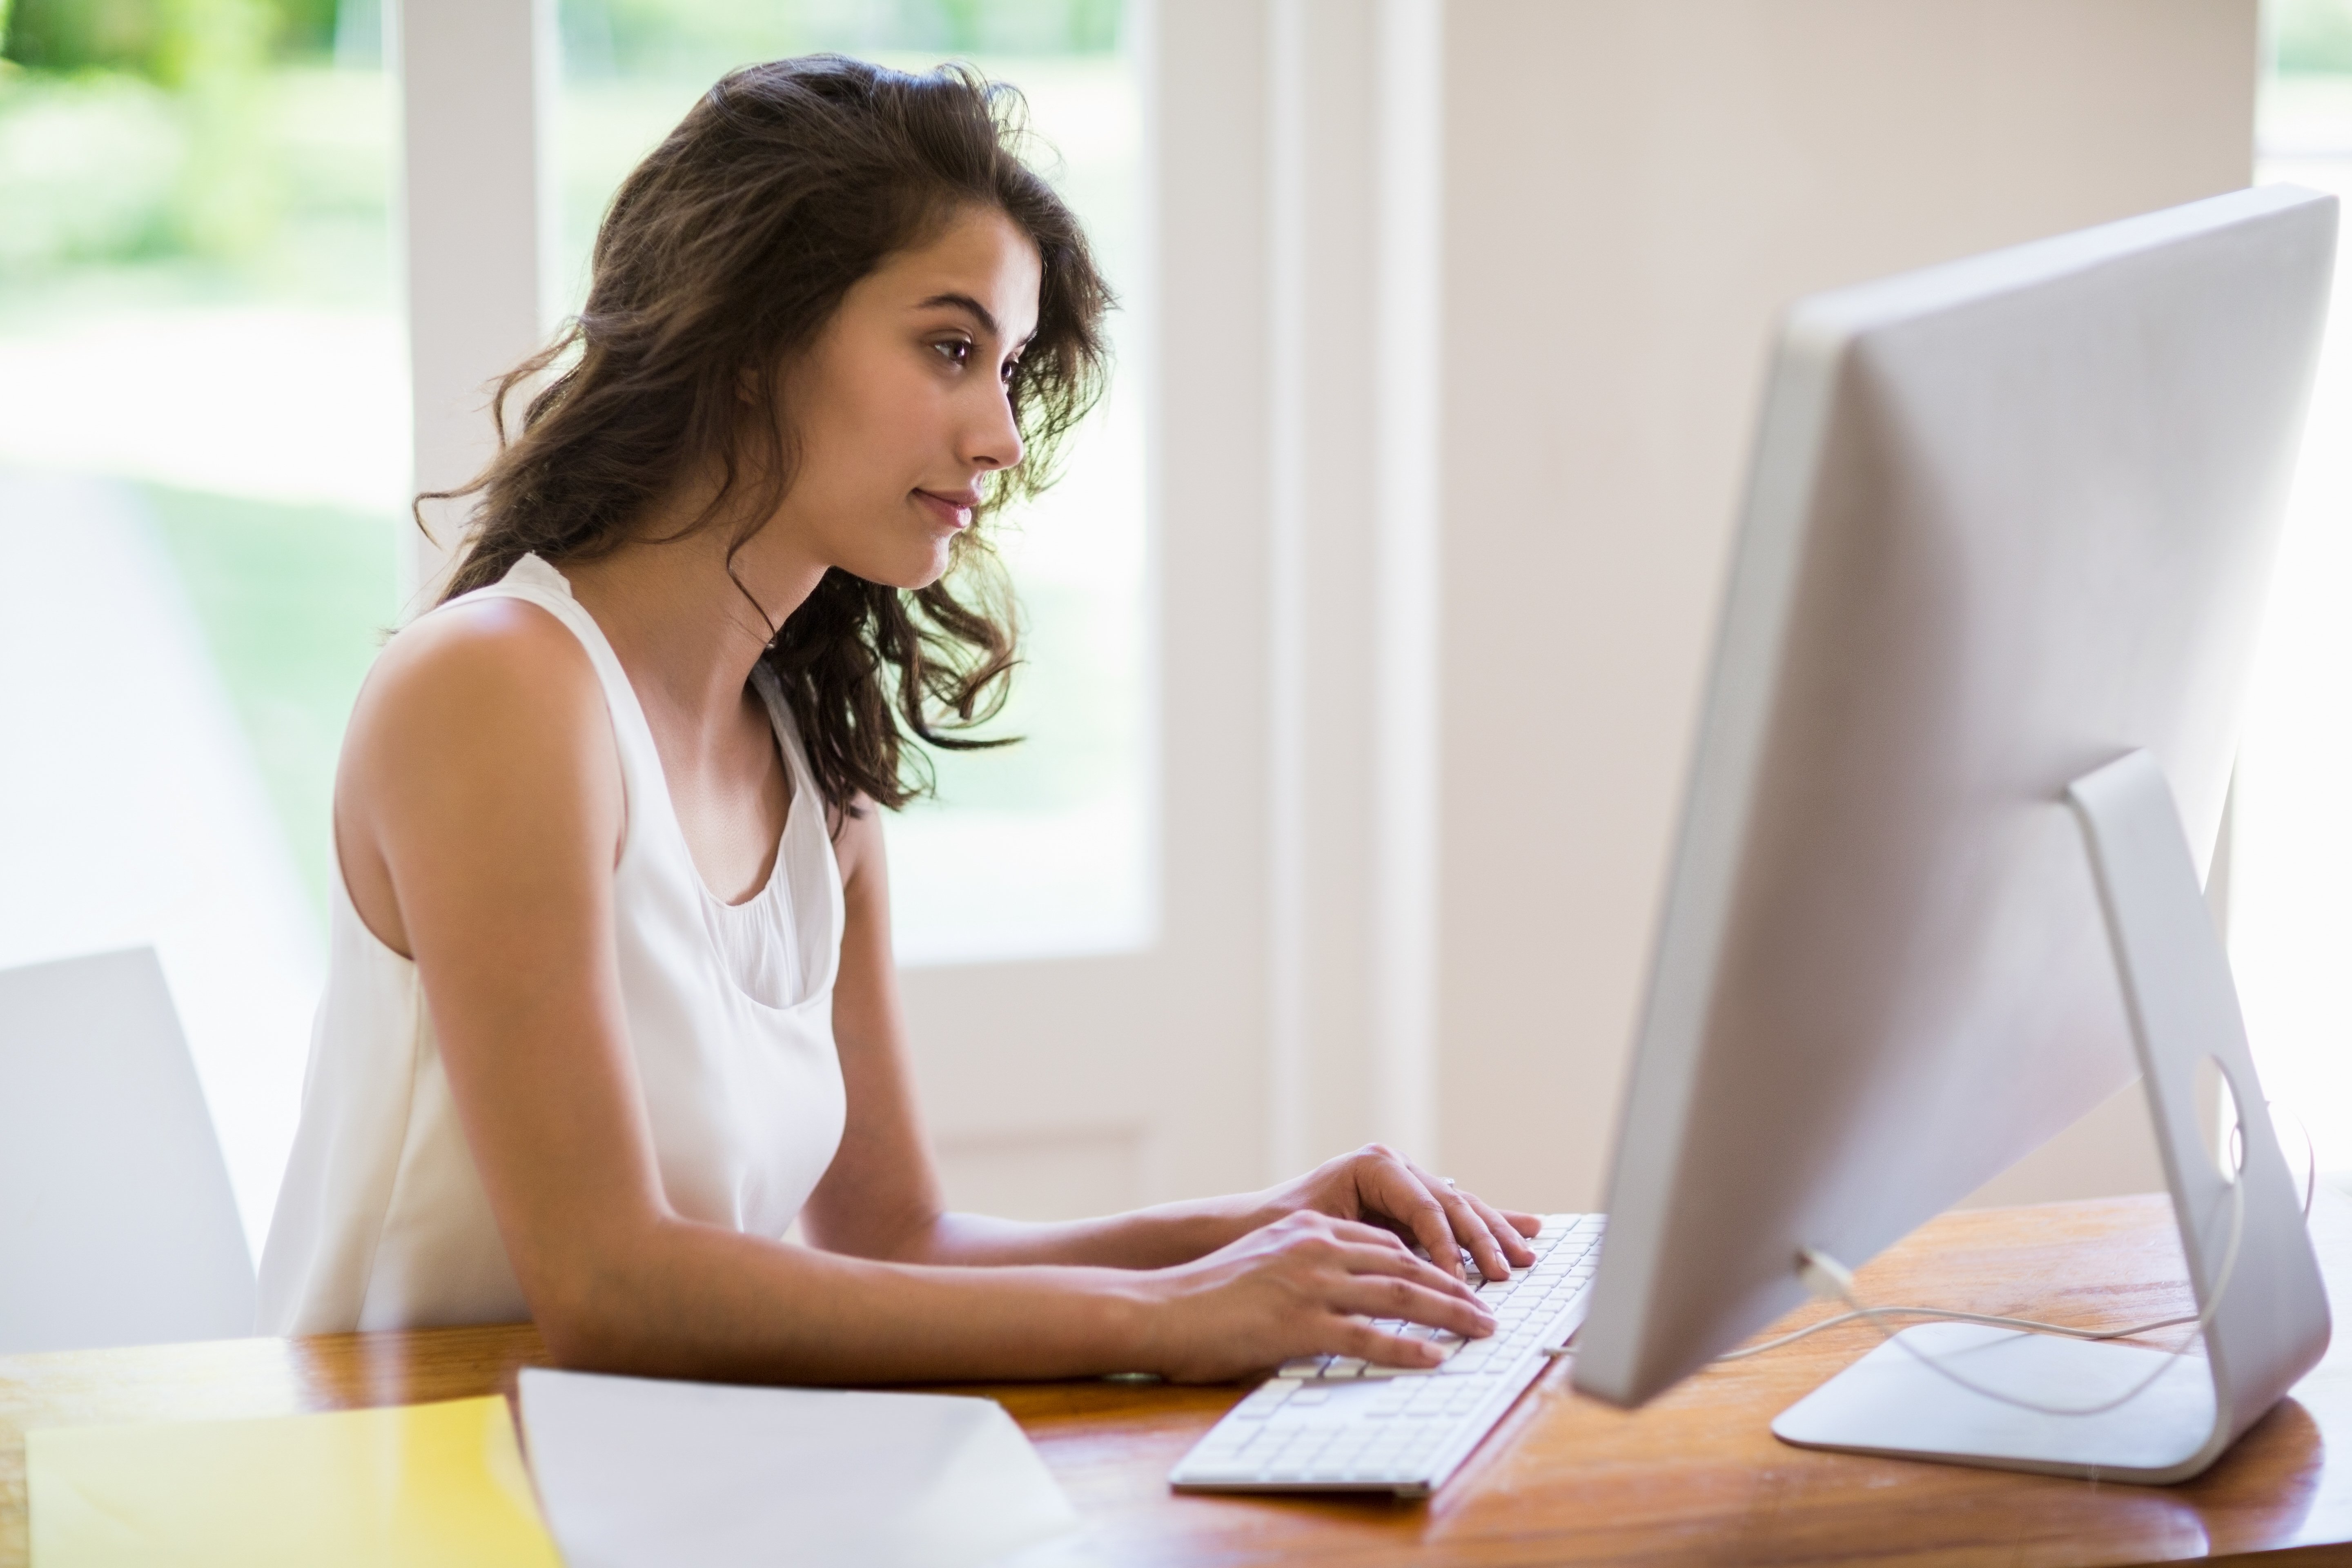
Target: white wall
{"points": [[1632, 190]]}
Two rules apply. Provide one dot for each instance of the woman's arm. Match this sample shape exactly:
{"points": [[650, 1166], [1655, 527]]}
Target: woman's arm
{"points": [[881, 1197], [478, 814]]}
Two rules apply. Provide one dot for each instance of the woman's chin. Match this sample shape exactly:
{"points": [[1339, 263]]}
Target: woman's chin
{"points": [[911, 575]]}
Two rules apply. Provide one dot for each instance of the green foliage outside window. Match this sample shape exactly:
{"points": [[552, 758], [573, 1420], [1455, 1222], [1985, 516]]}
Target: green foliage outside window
{"points": [[136, 128], [2313, 36], [665, 35], [168, 42]]}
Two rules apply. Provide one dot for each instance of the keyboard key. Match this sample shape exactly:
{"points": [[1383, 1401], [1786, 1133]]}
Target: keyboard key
{"points": [[1263, 1400]]}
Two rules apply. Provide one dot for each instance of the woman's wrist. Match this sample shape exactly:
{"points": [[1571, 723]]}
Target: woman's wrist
{"points": [[1245, 1212], [1156, 1237], [1130, 1320], [1180, 1232]]}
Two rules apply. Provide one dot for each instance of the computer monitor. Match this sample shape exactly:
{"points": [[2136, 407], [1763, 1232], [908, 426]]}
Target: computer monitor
{"points": [[2010, 520]]}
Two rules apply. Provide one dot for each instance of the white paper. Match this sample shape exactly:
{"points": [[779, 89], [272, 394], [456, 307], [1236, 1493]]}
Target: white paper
{"points": [[635, 1473]]}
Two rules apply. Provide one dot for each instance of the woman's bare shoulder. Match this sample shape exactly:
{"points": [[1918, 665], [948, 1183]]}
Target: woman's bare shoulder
{"points": [[480, 698], [479, 741], [485, 660]]}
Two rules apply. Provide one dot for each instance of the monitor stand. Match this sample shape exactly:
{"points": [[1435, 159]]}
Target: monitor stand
{"points": [[2271, 1324]]}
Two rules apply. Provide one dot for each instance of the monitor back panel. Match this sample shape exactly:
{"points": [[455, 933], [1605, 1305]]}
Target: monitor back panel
{"points": [[2009, 519]]}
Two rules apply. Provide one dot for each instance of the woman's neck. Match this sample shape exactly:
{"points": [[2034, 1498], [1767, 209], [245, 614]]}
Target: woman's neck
{"points": [[682, 623]]}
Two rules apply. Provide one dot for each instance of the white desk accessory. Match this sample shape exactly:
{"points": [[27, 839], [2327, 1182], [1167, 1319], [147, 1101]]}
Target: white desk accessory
{"points": [[635, 1473]]}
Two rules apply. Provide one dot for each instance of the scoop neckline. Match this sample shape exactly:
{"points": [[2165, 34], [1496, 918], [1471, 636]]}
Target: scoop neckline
{"points": [[776, 879], [762, 681]]}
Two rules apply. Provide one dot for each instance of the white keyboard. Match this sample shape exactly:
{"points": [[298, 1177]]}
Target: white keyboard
{"points": [[1338, 1424]]}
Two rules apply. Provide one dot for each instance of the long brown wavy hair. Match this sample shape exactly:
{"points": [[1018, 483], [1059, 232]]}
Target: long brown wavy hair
{"points": [[722, 257]]}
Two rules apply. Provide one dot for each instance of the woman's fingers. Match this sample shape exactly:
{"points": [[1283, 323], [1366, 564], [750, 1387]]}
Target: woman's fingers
{"points": [[1470, 1227], [1363, 1231], [1505, 1235], [1355, 1336], [1494, 1242], [1405, 1196], [1446, 1221], [1376, 1296], [1368, 1249], [1387, 1256]]}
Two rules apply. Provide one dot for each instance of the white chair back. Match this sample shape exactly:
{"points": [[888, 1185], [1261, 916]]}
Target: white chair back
{"points": [[117, 1225]]}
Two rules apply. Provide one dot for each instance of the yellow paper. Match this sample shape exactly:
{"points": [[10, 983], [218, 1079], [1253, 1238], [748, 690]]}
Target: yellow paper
{"points": [[437, 1485]]}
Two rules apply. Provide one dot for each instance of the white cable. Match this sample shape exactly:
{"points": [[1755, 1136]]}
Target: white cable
{"points": [[2029, 1325], [2310, 1153], [1820, 1267], [1945, 1314]]}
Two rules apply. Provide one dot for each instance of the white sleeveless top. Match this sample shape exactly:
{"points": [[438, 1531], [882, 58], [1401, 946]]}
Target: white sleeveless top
{"points": [[383, 1223]]}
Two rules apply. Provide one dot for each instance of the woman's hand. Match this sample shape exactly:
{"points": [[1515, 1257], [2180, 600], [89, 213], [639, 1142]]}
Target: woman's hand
{"points": [[1380, 1186], [1305, 1285]]}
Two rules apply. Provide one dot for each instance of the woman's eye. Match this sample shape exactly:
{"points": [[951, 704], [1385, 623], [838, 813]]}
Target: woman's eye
{"points": [[956, 351]]}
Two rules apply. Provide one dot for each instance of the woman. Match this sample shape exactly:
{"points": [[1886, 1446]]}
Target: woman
{"points": [[611, 1000]]}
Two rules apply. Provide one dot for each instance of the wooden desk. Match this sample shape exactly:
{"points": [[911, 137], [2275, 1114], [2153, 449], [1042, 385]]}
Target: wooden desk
{"points": [[1695, 1479]]}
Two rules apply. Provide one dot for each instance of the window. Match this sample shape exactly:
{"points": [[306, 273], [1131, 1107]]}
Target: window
{"points": [[1041, 848], [204, 452]]}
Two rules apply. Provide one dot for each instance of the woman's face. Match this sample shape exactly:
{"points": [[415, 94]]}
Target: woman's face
{"points": [[899, 407]]}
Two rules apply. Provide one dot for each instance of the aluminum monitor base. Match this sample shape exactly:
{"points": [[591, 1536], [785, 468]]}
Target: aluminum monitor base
{"points": [[1890, 1403], [2271, 1323]]}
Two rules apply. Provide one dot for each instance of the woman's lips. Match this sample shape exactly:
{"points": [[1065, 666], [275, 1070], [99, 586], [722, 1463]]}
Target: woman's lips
{"points": [[953, 512]]}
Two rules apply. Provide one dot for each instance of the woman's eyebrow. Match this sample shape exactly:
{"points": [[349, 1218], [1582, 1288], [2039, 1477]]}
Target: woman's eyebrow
{"points": [[979, 311]]}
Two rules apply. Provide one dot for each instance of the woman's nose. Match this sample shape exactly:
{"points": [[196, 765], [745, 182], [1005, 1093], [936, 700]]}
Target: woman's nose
{"points": [[995, 440]]}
